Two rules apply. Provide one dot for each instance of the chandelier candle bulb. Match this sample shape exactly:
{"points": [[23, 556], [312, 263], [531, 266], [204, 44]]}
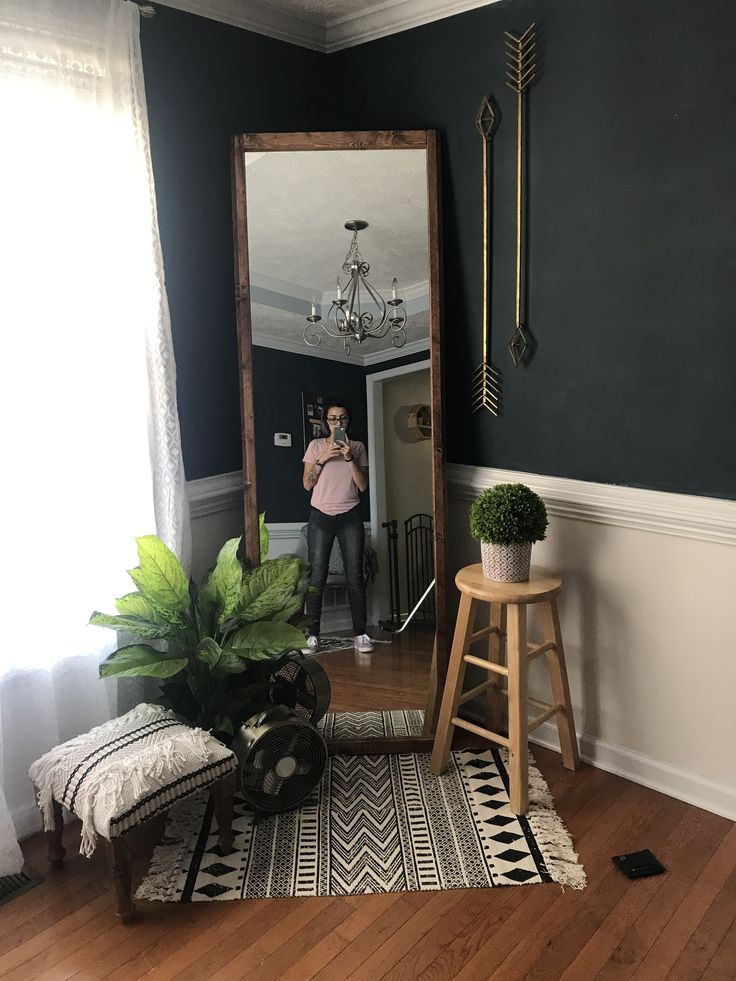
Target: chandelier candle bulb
{"points": [[394, 287], [314, 307], [339, 289]]}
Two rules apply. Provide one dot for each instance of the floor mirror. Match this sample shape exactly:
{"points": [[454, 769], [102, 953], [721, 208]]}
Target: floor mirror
{"points": [[337, 287]]}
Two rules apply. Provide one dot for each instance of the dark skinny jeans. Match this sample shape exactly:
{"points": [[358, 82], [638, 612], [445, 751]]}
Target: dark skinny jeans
{"points": [[321, 533]]}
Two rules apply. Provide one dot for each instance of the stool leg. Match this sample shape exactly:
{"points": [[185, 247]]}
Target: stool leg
{"points": [[454, 683], [56, 850], [560, 687], [496, 655], [518, 717], [222, 796], [118, 862]]}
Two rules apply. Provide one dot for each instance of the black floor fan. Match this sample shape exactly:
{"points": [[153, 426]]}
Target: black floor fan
{"points": [[282, 754]]}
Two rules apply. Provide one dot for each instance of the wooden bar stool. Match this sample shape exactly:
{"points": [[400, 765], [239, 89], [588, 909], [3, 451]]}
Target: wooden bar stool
{"points": [[507, 630]]}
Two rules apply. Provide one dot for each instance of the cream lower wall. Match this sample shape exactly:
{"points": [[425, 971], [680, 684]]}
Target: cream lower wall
{"points": [[649, 626], [648, 615]]}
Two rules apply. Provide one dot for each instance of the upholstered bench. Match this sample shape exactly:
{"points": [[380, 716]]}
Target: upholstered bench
{"points": [[121, 774]]}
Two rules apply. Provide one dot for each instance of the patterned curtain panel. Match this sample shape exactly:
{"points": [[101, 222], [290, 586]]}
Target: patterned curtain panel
{"points": [[92, 449]]}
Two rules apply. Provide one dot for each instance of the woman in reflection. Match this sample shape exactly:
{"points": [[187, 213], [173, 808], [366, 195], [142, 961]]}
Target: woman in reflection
{"points": [[336, 472]]}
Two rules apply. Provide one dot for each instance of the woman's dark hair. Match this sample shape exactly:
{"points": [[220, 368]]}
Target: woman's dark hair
{"points": [[334, 404]]}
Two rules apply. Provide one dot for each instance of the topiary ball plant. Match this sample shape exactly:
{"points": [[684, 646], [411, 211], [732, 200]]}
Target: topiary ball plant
{"points": [[508, 514]]}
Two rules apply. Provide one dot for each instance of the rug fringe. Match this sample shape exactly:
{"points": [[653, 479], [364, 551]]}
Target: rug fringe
{"points": [[161, 882], [551, 834]]}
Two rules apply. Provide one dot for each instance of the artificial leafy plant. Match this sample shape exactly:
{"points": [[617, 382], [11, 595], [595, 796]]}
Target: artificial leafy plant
{"points": [[223, 636], [508, 514]]}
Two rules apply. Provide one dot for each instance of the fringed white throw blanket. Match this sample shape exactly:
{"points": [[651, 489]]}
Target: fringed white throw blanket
{"points": [[374, 824], [127, 770]]}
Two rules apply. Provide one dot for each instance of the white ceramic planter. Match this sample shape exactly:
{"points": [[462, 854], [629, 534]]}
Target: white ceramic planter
{"points": [[506, 563]]}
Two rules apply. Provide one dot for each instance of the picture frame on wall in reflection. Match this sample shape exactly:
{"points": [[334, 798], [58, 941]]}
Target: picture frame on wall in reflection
{"points": [[298, 199]]}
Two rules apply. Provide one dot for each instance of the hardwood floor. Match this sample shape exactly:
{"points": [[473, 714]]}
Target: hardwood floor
{"points": [[680, 925]]}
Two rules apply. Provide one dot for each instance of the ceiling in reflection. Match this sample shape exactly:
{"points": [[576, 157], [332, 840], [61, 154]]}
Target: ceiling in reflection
{"points": [[297, 206]]}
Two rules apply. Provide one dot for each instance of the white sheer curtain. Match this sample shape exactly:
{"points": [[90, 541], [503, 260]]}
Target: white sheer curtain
{"points": [[87, 380]]}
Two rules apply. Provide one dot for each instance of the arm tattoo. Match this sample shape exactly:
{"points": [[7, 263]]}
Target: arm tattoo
{"points": [[313, 476]]}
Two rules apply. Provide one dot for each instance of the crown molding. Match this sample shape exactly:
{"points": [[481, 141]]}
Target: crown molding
{"points": [[391, 17], [294, 346]]}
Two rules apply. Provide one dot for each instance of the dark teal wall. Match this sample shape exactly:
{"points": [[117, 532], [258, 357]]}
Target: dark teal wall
{"points": [[206, 81], [632, 291]]}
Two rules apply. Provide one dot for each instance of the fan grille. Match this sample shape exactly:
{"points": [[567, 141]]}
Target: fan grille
{"points": [[283, 763], [303, 686]]}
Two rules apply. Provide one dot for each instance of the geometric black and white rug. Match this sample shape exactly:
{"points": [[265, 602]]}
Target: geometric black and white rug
{"points": [[374, 824]]}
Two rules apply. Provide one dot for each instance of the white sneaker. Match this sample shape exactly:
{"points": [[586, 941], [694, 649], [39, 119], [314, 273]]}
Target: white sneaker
{"points": [[362, 644], [312, 645]]}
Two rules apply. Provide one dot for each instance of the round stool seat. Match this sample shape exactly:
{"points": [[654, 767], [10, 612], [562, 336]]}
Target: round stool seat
{"points": [[540, 586]]}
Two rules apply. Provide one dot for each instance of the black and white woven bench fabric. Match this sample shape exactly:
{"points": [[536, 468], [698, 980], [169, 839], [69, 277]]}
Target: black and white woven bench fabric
{"points": [[126, 771]]}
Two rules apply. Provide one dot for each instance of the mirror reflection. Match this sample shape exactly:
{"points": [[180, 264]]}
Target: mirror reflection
{"points": [[339, 273]]}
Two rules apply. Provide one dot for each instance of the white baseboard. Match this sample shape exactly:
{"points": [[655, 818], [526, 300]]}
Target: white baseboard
{"points": [[627, 763], [670, 780]]}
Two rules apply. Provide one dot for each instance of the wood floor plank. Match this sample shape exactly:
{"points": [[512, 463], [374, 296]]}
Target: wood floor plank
{"points": [[439, 907], [365, 912], [685, 853], [358, 950], [514, 936], [707, 938], [548, 949], [721, 968], [265, 944], [673, 939], [298, 945], [409, 960]]}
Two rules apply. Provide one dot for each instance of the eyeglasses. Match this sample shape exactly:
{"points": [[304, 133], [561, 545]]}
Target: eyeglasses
{"points": [[337, 418]]}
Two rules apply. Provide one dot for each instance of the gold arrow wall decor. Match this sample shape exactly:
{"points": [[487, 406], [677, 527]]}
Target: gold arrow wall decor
{"points": [[486, 388], [520, 73]]}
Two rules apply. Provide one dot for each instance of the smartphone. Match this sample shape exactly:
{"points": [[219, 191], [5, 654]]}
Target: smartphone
{"points": [[338, 434]]}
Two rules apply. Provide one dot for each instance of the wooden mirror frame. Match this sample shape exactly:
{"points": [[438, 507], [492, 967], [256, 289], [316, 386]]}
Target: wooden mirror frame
{"points": [[373, 140]]}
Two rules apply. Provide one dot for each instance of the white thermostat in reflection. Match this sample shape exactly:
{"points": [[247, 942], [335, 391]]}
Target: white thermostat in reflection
{"points": [[282, 439]]}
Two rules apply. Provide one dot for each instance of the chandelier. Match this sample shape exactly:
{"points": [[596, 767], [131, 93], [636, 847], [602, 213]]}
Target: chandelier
{"points": [[346, 318]]}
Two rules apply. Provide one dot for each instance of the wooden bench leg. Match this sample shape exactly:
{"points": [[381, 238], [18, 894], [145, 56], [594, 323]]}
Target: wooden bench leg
{"points": [[560, 687], [518, 717], [222, 795], [56, 850], [118, 862], [454, 683]]}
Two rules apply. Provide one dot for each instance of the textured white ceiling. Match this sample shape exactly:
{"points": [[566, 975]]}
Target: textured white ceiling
{"points": [[320, 11], [297, 205]]}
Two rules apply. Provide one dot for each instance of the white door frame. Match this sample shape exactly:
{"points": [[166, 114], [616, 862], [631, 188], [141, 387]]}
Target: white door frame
{"points": [[377, 479]]}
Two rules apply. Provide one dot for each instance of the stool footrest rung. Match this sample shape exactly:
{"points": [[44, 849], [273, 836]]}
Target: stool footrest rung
{"points": [[538, 720], [479, 662], [534, 650], [484, 632], [478, 690], [480, 731]]}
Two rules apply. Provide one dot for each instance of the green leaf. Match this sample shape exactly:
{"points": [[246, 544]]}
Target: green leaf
{"points": [[291, 608], [219, 661], [141, 660], [263, 534], [136, 605], [132, 625], [219, 594], [267, 588], [258, 641], [160, 577]]}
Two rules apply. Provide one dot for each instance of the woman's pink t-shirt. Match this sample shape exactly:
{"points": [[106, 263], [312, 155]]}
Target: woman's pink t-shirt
{"points": [[335, 491]]}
